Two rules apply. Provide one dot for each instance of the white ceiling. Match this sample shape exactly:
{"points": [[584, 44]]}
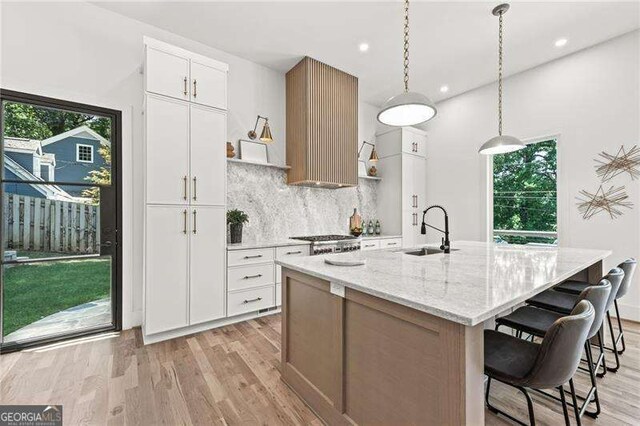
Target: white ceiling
{"points": [[452, 43]]}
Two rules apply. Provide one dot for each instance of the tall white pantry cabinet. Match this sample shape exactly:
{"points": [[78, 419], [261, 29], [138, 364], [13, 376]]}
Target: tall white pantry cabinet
{"points": [[185, 189], [402, 194]]}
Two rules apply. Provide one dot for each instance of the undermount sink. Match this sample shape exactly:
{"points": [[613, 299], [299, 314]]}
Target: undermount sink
{"points": [[426, 251]]}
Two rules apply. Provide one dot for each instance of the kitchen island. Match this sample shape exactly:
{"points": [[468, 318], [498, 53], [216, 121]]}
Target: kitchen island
{"points": [[399, 340]]}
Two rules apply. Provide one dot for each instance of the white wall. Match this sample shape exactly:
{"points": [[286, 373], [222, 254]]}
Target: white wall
{"points": [[591, 100], [81, 52]]}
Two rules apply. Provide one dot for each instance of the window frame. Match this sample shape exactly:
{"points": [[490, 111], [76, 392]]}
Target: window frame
{"points": [[78, 145], [561, 190]]}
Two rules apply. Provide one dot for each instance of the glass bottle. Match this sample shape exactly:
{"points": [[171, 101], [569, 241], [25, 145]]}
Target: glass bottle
{"points": [[377, 230], [370, 228], [355, 223]]}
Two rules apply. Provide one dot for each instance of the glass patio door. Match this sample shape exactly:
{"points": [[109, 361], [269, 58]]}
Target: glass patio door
{"points": [[60, 213]]}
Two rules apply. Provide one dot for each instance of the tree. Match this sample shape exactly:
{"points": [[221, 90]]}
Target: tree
{"points": [[101, 176], [35, 122], [524, 187]]}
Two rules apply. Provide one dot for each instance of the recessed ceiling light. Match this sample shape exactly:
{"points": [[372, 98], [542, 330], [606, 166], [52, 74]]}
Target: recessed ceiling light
{"points": [[561, 42], [444, 89], [363, 47]]}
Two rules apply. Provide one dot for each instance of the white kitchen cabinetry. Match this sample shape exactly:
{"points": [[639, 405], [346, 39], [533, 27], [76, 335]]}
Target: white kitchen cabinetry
{"points": [[166, 268], [208, 156], [207, 266], [180, 74], [208, 85], [402, 192], [167, 150], [185, 193]]}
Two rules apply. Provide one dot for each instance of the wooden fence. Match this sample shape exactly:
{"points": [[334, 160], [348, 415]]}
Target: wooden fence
{"points": [[38, 224]]}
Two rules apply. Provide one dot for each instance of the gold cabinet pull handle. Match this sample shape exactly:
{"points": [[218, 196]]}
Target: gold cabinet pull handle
{"points": [[184, 190], [184, 225], [185, 86], [195, 189], [195, 221], [195, 88]]}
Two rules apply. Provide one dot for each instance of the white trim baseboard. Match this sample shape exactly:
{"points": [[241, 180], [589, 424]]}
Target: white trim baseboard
{"points": [[158, 337]]}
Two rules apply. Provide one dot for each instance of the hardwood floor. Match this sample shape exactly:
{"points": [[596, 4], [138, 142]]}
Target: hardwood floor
{"points": [[227, 376]]}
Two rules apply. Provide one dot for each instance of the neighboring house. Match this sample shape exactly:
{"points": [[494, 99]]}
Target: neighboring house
{"points": [[14, 171], [75, 154]]}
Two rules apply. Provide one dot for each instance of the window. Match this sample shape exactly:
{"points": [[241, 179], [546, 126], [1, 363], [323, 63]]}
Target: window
{"points": [[84, 153], [524, 195]]}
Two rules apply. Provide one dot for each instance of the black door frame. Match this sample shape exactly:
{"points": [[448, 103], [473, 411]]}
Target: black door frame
{"points": [[116, 184]]}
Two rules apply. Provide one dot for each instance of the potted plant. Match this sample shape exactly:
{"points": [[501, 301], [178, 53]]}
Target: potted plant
{"points": [[235, 219]]}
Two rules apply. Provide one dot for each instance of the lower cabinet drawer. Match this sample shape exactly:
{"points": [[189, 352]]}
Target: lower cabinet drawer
{"points": [[250, 276], [369, 245], [241, 302], [391, 242], [278, 294]]}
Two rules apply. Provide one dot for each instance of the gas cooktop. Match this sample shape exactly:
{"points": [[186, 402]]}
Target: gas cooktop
{"points": [[324, 238]]}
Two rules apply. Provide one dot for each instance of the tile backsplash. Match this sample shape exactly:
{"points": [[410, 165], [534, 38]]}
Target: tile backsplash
{"points": [[277, 210]]}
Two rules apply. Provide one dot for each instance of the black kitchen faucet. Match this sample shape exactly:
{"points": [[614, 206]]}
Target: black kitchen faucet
{"points": [[446, 244]]}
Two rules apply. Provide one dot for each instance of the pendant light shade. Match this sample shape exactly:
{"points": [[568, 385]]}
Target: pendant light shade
{"points": [[407, 108], [500, 144]]}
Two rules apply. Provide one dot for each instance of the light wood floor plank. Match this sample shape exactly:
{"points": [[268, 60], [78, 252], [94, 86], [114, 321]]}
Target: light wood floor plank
{"points": [[230, 376]]}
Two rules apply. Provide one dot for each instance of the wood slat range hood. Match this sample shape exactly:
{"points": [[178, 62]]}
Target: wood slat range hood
{"points": [[322, 126]]}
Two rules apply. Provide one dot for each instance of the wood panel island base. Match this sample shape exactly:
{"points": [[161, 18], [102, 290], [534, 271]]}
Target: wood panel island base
{"points": [[359, 358]]}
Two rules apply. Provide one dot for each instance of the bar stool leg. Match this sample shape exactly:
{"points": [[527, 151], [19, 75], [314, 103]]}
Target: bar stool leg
{"points": [[601, 347], [593, 382], [565, 410], [615, 348], [620, 330], [576, 410]]}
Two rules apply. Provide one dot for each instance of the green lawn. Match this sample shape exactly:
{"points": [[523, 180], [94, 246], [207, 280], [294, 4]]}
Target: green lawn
{"points": [[34, 291]]}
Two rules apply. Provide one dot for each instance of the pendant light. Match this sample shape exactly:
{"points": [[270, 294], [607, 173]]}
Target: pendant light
{"points": [[407, 108], [500, 144]]}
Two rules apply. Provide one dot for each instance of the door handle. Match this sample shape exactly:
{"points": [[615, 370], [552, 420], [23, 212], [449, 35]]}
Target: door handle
{"points": [[185, 87], [248, 277], [195, 223], [195, 88], [195, 189], [184, 190], [184, 225], [257, 299]]}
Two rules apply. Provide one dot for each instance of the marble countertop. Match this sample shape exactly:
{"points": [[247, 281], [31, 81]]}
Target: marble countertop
{"points": [[254, 244], [380, 237], [468, 286]]}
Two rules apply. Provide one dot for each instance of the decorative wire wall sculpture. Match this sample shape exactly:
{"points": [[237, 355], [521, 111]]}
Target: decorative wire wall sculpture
{"points": [[623, 162], [610, 201]]}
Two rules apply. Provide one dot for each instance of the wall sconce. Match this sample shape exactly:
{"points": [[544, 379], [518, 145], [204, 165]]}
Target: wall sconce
{"points": [[265, 136], [374, 155]]}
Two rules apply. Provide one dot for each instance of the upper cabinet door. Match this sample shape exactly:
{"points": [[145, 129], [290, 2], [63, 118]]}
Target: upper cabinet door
{"points": [[167, 151], [167, 74], [208, 156], [208, 85], [414, 143]]}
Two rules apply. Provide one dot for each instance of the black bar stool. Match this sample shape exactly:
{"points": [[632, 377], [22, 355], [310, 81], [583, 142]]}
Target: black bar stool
{"points": [[547, 365], [563, 302], [629, 267], [536, 322]]}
